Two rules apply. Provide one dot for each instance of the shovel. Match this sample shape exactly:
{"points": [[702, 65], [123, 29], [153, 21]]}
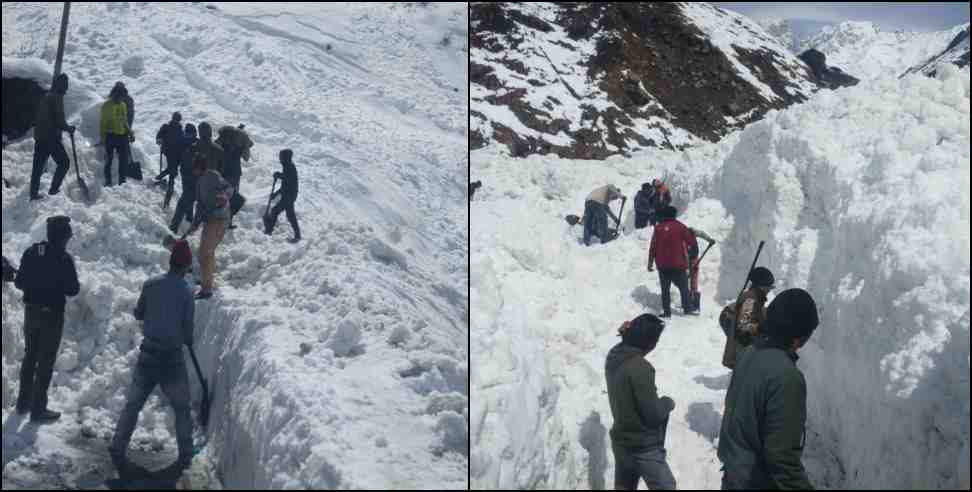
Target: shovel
{"points": [[77, 171], [266, 213], [204, 409]]}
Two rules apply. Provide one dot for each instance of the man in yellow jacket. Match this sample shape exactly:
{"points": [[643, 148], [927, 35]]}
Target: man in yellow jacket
{"points": [[115, 133]]}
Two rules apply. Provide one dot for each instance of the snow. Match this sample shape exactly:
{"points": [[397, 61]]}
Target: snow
{"points": [[374, 103], [862, 197], [865, 51]]}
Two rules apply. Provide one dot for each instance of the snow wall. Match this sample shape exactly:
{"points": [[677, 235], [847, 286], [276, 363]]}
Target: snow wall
{"points": [[862, 196]]}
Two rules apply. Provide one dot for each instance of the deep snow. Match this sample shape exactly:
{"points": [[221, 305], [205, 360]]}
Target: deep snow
{"points": [[862, 197], [372, 98]]}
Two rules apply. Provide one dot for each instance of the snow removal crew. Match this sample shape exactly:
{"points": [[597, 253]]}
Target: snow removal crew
{"points": [[236, 145], [47, 137], [166, 308], [670, 246], [596, 212], [212, 209], [115, 133], [171, 139], [288, 194], [694, 266], [47, 277], [187, 200], [741, 330], [640, 416], [644, 209], [764, 425]]}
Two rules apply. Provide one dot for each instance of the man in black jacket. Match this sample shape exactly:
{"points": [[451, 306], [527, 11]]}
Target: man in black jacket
{"points": [[47, 276], [288, 192], [640, 416], [171, 140]]}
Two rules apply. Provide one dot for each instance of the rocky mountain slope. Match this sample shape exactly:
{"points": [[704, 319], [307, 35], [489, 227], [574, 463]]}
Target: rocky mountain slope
{"points": [[957, 53], [588, 81]]}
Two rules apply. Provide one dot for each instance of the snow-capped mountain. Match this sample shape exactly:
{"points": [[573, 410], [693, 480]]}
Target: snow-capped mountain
{"points": [[593, 80], [956, 53], [792, 33], [865, 51]]}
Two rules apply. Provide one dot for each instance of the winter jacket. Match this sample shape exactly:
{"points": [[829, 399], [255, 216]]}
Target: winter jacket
{"points": [[50, 117], [643, 203], [232, 167], [172, 138], [47, 276], [113, 119], [640, 417], [670, 245], [185, 163], [167, 307], [288, 186], [212, 194], [764, 425], [752, 314], [605, 194]]}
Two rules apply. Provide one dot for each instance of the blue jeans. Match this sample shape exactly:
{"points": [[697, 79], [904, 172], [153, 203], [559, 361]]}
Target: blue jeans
{"points": [[168, 371], [649, 465]]}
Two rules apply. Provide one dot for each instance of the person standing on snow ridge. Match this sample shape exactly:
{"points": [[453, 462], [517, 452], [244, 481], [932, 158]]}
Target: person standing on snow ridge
{"points": [[129, 106], [115, 133], [167, 308], [640, 417], [187, 200], [644, 206], [47, 277], [764, 426], [49, 124], [659, 200], [288, 190], [234, 142], [170, 139], [694, 265], [741, 330], [596, 212], [670, 245], [212, 195]]}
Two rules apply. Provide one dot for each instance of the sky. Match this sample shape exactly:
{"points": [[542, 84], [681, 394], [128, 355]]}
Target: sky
{"points": [[912, 16]]}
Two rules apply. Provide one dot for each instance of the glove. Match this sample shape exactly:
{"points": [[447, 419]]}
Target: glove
{"points": [[669, 403], [131, 137], [651, 268], [71, 129]]}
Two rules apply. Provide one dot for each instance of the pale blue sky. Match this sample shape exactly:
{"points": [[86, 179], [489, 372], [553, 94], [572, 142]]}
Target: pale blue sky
{"points": [[912, 16]]}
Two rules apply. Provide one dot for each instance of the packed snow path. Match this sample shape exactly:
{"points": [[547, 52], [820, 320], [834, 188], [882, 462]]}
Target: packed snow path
{"points": [[340, 362], [862, 197]]}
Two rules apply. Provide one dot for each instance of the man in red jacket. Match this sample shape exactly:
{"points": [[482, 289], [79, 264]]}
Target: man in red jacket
{"points": [[670, 245]]}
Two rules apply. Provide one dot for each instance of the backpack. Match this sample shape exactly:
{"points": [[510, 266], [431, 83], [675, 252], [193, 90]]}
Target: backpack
{"points": [[236, 137]]}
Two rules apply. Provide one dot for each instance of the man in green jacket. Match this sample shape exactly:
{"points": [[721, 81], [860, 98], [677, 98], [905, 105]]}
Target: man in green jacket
{"points": [[764, 425], [640, 417]]}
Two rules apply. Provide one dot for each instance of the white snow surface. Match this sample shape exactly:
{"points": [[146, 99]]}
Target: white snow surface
{"points": [[862, 197], [865, 51], [373, 101]]}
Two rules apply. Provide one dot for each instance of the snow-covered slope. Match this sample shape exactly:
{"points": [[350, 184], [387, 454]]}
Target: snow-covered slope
{"points": [[372, 98], [956, 53], [862, 197], [865, 51], [593, 80]]}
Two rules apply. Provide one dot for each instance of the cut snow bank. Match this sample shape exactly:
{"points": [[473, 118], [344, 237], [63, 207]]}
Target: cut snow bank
{"points": [[862, 196]]}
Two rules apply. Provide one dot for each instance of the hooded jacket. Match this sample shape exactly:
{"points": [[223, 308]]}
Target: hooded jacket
{"points": [[670, 245], [47, 276], [764, 426], [640, 417]]}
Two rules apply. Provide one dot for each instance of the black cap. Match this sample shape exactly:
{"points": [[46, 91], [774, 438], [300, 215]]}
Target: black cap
{"points": [[791, 315], [643, 332], [176, 116], [58, 228], [762, 277]]}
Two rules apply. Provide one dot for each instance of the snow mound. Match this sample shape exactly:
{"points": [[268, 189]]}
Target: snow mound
{"points": [[862, 197]]}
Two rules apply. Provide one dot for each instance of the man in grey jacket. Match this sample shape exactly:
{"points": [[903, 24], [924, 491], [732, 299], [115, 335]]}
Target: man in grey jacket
{"points": [[213, 194], [167, 309], [596, 212], [640, 417]]}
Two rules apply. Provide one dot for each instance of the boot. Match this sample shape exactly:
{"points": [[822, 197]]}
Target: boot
{"points": [[44, 416], [294, 240]]}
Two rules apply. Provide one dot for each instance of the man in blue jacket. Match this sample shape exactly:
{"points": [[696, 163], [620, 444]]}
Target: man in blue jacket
{"points": [[47, 277], [166, 306]]}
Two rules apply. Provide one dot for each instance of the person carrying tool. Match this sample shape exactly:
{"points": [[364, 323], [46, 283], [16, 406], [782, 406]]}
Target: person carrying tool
{"points": [[47, 138], [213, 195], [167, 310], [288, 192], [596, 212], [115, 133], [694, 265], [745, 325], [640, 416], [235, 142], [670, 245], [187, 200], [171, 139], [47, 277]]}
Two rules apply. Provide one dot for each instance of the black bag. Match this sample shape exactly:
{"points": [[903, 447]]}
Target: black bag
{"points": [[135, 170], [236, 203]]}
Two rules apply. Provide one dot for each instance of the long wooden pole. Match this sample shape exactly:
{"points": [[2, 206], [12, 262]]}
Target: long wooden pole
{"points": [[60, 41]]}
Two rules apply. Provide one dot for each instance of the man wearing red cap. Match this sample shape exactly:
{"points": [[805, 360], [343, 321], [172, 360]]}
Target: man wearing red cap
{"points": [[166, 306]]}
